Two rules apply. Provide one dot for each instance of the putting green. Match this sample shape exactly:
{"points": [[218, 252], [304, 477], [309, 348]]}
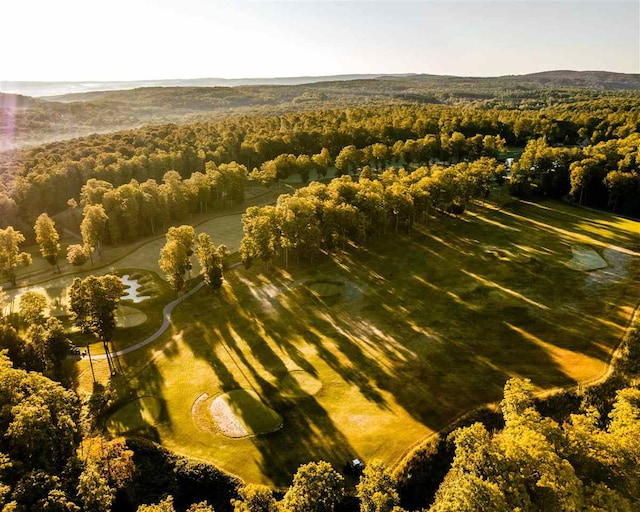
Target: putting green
{"points": [[326, 289], [241, 413], [585, 258], [127, 316], [138, 413], [299, 384]]}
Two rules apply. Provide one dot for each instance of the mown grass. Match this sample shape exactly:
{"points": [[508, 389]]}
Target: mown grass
{"points": [[442, 318], [134, 415]]}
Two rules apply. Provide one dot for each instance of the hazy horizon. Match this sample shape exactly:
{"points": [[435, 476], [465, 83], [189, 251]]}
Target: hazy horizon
{"points": [[285, 77], [137, 40], [45, 89]]}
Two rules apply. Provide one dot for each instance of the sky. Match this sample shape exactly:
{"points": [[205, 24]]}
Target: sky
{"points": [[99, 40]]}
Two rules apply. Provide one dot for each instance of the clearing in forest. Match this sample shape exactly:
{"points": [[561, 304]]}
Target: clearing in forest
{"points": [[368, 352]]}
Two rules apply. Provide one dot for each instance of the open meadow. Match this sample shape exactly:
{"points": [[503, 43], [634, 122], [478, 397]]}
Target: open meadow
{"points": [[369, 352]]}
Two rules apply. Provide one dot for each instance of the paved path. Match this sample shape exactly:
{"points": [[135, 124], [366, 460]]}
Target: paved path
{"points": [[166, 314]]}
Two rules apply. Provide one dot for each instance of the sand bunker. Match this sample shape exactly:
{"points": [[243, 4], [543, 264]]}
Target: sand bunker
{"points": [[129, 317], [585, 258], [616, 272], [200, 413], [299, 384], [241, 413], [131, 290]]}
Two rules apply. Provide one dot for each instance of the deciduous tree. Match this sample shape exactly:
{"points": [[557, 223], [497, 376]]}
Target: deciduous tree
{"points": [[10, 256], [92, 228], [316, 487], [377, 489], [255, 498], [211, 260], [93, 301], [175, 256], [166, 505], [48, 239], [77, 255], [32, 306]]}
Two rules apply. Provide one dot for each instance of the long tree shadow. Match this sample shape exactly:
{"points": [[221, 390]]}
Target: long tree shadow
{"points": [[139, 405], [202, 341], [308, 432], [441, 325]]}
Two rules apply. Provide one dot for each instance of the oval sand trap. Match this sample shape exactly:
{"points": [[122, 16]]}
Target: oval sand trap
{"points": [[133, 415], [326, 289], [127, 316], [299, 384], [241, 413]]}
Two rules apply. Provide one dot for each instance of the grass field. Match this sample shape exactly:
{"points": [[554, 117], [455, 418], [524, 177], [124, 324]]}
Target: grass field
{"points": [[134, 415], [423, 328]]}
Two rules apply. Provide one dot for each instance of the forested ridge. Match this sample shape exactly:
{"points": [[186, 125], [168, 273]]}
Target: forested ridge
{"points": [[35, 121]]}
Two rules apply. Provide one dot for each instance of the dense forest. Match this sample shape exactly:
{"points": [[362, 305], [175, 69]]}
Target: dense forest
{"points": [[41, 120], [587, 149]]}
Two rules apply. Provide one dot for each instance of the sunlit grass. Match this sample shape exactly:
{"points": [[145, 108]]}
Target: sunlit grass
{"points": [[427, 326]]}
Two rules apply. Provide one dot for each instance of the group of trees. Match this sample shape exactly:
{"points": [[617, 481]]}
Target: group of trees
{"points": [[92, 229], [135, 209], [316, 487], [322, 217], [608, 175], [11, 258], [442, 147], [92, 302], [350, 159], [47, 460], [605, 175], [42, 345], [175, 257], [534, 463], [286, 165], [587, 463], [46, 178], [53, 458]]}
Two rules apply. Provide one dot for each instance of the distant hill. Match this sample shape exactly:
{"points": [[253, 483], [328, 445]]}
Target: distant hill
{"points": [[58, 90], [599, 80], [35, 121], [585, 79], [8, 101]]}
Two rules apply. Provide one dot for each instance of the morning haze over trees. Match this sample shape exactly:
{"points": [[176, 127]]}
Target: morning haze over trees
{"points": [[382, 294]]}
